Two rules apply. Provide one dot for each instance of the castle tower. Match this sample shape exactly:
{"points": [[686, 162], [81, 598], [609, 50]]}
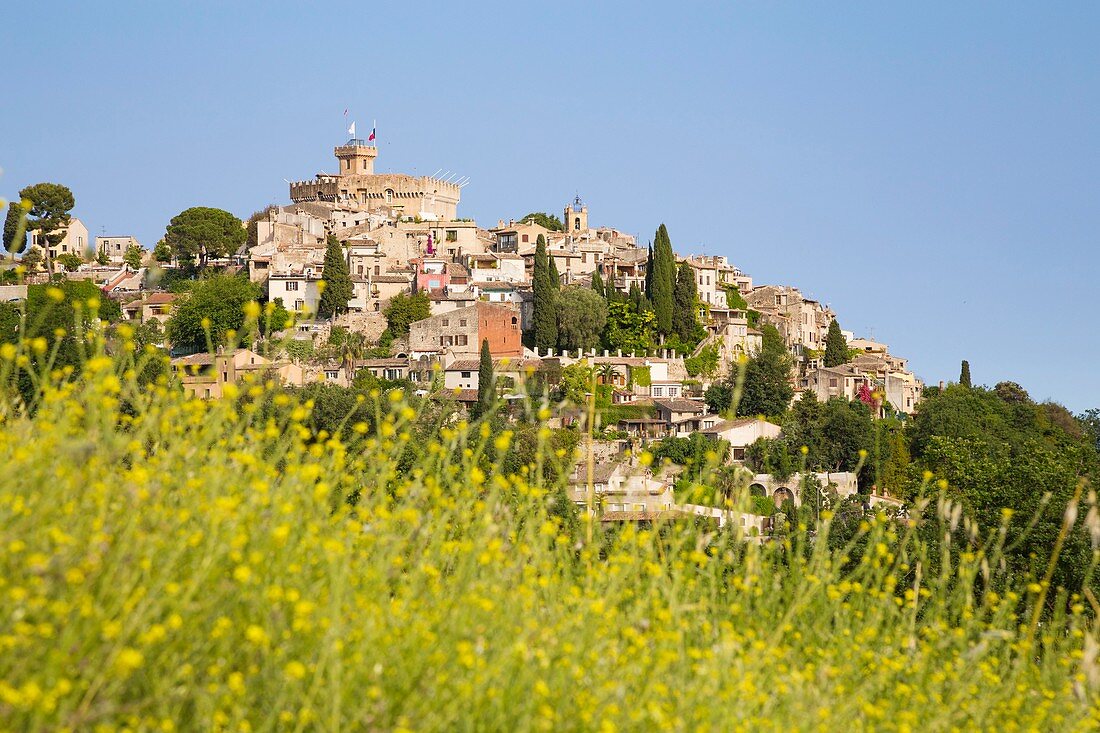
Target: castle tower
{"points": [[576, 217], [356, 158]]}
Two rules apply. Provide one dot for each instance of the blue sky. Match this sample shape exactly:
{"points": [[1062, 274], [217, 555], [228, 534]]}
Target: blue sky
{"points": [[929, 170]]}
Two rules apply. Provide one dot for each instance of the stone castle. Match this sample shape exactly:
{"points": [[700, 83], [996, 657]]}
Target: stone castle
{"points": [[357, 186]]}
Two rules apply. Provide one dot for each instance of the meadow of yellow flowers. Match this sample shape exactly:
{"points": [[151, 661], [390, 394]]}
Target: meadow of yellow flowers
{"points": [[168, 563]]}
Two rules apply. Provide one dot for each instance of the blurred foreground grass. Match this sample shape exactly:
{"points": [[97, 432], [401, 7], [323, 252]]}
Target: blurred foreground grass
{"points": [[173, 564]]}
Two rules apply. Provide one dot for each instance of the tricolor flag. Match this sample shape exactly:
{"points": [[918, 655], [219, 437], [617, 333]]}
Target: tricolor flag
{"points": [[372, 131]]}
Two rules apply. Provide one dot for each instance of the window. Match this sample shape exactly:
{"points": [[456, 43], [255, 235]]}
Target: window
{"points": [[462, 340], [465, 375], [291, 285], [389, 195], [452, 235], [462, 322], [446, 322], [658, 391], [377, 270], [331, 375], [832, 381], [299, 304], [525, 238]]}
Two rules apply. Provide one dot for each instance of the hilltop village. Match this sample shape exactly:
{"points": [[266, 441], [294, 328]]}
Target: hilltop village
{"points": [[387, 285]]}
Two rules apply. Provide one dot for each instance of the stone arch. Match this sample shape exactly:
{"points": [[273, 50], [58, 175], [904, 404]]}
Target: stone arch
{"points": [[757, 490], [781, 494]]}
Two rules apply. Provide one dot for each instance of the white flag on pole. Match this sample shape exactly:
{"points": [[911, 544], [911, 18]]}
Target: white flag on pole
{"points": [[351, 130]]}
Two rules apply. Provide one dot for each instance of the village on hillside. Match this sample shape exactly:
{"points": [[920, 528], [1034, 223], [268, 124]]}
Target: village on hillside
{"points": [[426, 292]]}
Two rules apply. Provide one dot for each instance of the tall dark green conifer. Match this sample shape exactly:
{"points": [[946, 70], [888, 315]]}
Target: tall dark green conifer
{"points": [[555, 277], [649, 273], [662, 281], [338, 288], [546, 316], [597, 283], [836, 347], [486, 389], [15, 231], [964, 375], [684, 321]]}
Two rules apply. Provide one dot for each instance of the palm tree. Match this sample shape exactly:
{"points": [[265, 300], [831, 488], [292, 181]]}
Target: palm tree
{"points": [[607, 373]]}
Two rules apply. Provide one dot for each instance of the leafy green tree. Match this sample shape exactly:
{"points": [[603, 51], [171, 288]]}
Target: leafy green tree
{"points": [[219, 302], [102, 259], [15, 230], [134, 255], [162, 253], [49, 212], [845, 429], [597, 283], [32, 259], [338, 289], [964, 374], [582, 315], [719, 397], [336, 410], [405, 309], [486, 387], [576, 382], [545, 292], [60, 313], [685, 293], [836, 346], [1090, 426], [629, 330], [549, 221], [202, 232], [662, 281], [70, 261], [767, 389]]}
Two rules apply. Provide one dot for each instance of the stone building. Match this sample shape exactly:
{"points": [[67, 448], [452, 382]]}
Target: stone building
{"points": [[802, 322], [205, 374], [357, 186], [114, 248], [462, 330], [75, 240]]}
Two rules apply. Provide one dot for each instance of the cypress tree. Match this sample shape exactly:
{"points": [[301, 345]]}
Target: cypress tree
{"points": [[485, 386], [546, 317], [14, 240], [964, 376], [555, 278], [597, 283], [663, 281], [337, 278], [836, 346], [649, 274], [683, 303]]}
